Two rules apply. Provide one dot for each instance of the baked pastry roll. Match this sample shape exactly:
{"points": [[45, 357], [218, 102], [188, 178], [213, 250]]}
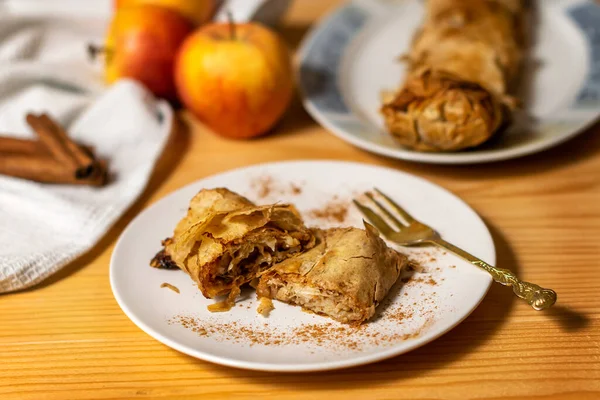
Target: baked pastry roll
{"points": [[462, 66], [225, 240], [345, 276]]}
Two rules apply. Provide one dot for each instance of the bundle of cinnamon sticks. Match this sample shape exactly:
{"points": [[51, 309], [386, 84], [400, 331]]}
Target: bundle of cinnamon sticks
{"points": [[53, 158]]}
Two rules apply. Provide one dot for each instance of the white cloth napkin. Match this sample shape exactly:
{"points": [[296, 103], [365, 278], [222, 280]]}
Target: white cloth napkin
{"points": [[43, 67], [43, 227]]}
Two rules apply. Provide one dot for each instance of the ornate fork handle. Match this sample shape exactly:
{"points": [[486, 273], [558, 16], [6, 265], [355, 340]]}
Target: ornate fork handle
{"points": [[536, 296]]}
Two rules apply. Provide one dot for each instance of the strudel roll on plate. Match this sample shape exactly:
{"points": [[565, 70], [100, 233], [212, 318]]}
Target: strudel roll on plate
{"points": [[462, 66], [344, 276], [225, 240]]}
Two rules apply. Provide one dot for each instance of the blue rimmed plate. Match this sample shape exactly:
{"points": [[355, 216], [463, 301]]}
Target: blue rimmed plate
{"points": [[350, 58]]}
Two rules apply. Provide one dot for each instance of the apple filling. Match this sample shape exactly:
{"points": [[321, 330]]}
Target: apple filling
{"points": [[293, 290], [242, 262]]}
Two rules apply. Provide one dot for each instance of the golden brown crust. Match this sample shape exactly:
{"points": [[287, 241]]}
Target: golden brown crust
{"points": [[438, 112], [353, 265], [224, 239], [462, 65]]}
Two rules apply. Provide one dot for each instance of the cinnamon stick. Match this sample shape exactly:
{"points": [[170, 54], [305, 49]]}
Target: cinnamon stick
{"points": [[28, 146], [22, 146], [52, 142], [46, 169], [99, 176], [63, 148], [55, 158], [83, 159]]}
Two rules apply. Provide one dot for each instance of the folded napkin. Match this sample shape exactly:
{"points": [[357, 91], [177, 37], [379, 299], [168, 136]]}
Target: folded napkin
{"points": [[43, 227], [43, 68]]}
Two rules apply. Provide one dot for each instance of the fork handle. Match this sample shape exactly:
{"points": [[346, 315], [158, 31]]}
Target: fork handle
{"points": [[536, 296]]}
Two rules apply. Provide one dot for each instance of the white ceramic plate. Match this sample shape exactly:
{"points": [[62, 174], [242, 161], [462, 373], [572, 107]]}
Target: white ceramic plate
{"points": [[432, 302], [350, 57]]}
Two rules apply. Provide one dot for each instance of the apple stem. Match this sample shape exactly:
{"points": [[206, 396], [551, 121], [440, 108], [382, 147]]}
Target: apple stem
{"points": [[231, 24], [94, 50]]}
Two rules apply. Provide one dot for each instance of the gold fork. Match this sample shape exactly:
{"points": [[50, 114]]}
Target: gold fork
{"points": [[411, 232]]}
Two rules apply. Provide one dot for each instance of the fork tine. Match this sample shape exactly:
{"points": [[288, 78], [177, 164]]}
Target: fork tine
{"points": [[384, 210], [379, 223], [405, 216]]}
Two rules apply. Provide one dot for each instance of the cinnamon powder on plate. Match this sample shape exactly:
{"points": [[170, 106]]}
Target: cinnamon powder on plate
{"points": [[334, 211]]}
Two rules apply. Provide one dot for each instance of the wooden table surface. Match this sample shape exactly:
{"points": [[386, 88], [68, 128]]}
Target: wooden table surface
{"points": [[68, 339]]}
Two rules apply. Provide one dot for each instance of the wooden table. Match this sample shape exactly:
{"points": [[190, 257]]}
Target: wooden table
{"points": [[68, 339]]}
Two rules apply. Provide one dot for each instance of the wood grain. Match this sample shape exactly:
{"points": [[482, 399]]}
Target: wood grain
{"points": [[68, 339]]}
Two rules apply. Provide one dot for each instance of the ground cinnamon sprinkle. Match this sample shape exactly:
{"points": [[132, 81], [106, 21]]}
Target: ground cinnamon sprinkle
{"points": [[334, 210], [400, 315], [431, 281], [295, 189], [415, 316], [414, 280], [329, 334], [263, 186]]}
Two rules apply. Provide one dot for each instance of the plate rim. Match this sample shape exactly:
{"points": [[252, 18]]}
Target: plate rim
{"points": [[288, 367], [400, 153]]}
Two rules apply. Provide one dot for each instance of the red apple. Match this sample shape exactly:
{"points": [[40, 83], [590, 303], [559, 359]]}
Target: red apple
{"points": [[142, 43], [236, 78], [197, 11]]}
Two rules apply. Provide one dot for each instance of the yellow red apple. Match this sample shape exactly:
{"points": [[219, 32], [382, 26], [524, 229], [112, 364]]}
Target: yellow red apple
{"points": [[236, 78], [142, 43], [197, 11]]}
